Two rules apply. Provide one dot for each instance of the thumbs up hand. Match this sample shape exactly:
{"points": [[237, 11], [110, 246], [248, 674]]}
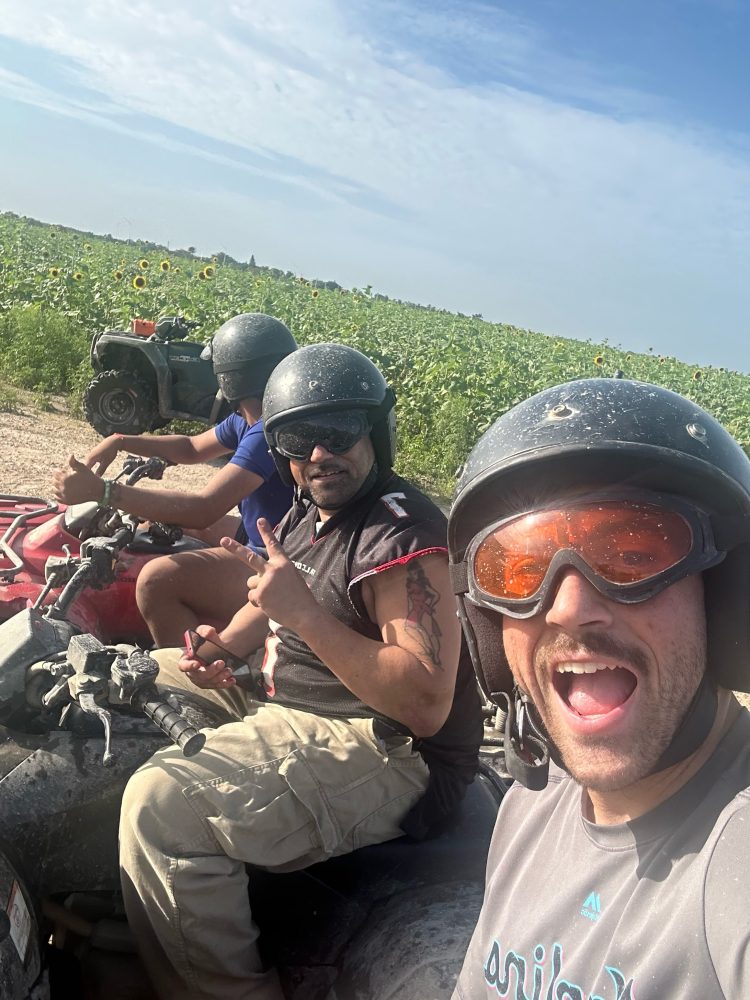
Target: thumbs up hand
{"points": [[76, 483]]}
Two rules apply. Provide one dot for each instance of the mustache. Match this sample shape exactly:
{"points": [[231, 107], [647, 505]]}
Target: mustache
{"points": [[593, 643], [330, 465]]}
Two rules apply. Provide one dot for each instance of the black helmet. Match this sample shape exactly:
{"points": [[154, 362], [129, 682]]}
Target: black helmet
{"points": [[604, 432], [321, 378], [245, 350]]}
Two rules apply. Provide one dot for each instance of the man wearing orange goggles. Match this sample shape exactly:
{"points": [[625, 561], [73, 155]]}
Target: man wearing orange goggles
{"points": [[629, 547], [600, 553]]}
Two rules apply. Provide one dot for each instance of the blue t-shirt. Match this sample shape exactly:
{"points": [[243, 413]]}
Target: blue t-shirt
{"points": [[272, 499]]}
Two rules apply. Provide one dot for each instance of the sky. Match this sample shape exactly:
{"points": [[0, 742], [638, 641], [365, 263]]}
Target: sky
{"points": [[576, 167]]}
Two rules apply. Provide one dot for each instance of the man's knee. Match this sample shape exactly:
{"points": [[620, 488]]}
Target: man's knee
{"points": [[152, 580], [149, 796]]}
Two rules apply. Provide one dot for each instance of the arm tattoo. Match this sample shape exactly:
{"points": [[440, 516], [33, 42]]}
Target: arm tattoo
{"points": [[422, 600]]}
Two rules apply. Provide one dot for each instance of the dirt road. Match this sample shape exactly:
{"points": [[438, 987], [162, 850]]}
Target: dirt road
{"points": [[34, 443]]}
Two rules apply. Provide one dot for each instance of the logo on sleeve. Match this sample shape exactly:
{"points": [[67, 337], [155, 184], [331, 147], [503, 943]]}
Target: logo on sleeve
{"points": [[391, 502], [592, 908]]}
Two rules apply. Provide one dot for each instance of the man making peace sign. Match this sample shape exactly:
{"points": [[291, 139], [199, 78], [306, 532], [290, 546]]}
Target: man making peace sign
{"points": [[363, 722]]}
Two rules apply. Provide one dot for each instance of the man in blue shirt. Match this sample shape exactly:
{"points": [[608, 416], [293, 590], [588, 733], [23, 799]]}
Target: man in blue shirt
{"points": [[178, 591]]}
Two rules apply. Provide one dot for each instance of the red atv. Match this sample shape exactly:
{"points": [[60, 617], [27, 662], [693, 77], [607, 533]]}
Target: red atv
{"points": [[32, 530]]}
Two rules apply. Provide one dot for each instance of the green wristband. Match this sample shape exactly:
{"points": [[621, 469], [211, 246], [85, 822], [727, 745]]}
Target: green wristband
{"points": [[107, 494]]}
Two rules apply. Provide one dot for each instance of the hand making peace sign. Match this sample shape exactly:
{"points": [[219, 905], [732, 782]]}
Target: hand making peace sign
{"points": [[277, 587]]}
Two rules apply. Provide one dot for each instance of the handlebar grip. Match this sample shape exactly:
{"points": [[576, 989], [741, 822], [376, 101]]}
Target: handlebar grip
{"points": [[187, 737]]}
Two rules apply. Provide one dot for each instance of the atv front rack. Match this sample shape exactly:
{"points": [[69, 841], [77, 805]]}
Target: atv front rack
{"points": [[15, 514]]}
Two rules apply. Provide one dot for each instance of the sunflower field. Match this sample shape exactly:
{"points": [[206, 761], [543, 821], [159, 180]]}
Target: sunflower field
{"points": [[452, 374]]}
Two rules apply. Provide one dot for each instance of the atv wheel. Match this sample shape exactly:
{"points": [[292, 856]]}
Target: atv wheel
{"points": [[118, 402]]}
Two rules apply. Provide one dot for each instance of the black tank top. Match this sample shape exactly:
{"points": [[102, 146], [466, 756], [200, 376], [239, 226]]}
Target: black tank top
{"points": [[391, 524]]}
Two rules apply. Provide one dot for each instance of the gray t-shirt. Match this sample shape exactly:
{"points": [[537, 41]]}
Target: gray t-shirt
{"points": [[655, 909]]}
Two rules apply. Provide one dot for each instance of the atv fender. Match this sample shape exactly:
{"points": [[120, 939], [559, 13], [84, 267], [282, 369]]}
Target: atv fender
{"points": [[153, 357]]}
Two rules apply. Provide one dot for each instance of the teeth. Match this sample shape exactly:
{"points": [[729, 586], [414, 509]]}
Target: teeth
{"points": [[583, 668]]}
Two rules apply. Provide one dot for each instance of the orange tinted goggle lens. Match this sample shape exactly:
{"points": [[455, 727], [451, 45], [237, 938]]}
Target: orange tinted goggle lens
{"points": [[623, 543]]}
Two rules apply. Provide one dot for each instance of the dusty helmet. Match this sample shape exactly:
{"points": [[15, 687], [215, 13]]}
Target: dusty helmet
{"points": [[604, 433], [324, 378], [245, 350]]}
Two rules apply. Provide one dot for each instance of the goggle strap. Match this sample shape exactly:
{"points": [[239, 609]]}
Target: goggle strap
{"points": [[459, 574], [730, 530]]}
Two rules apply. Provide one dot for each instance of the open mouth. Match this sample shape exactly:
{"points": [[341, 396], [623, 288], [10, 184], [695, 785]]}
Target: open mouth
{"points": [[592, 690]]}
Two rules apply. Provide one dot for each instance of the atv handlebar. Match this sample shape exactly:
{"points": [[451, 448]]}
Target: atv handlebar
{"points": [[171, 723], [99, 677], [135, 467], [96, 569]]}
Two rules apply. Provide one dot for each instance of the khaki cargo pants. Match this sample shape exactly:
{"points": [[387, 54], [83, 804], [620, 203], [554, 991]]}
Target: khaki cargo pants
{"points": [[280, 789]]}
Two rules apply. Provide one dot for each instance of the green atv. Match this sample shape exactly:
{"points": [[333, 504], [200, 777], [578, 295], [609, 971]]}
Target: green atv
{"points": [[149, 375]]}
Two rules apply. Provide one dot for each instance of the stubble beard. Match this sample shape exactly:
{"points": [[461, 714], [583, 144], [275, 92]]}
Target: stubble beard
{"points": [[605, 763], [336, 492]]}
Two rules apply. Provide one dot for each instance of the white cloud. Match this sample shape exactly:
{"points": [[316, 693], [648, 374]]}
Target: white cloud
{"points": [[560, 218]]}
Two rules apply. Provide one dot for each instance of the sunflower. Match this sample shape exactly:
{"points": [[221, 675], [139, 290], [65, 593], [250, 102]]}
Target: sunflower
{"points": [[662, 359], [117, 275], [143, 264], [54, 272], [139, 282], [87, 246], [698, 376], [77, 276], [201, 275], [209, 271], [315, 293], [165, 265], [599, 360]]}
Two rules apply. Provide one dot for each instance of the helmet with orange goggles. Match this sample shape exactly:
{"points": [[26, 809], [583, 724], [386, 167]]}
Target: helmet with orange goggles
{"points": [[633, 486], [629, 547]]}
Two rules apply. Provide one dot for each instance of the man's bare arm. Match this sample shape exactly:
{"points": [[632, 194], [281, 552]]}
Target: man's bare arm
{"points": [[410, 675], [75, 483], [181, 449]]}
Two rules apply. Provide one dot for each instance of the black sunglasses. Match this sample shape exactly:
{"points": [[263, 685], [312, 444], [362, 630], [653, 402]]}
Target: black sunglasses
{"points": [[336, 432]]}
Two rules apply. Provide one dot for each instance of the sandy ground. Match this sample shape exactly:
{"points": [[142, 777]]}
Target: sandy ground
{"points": [[34, 443]]}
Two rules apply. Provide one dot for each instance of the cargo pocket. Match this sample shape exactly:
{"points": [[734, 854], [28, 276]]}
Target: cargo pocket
{"points": [[274, 815], [300, 776]]}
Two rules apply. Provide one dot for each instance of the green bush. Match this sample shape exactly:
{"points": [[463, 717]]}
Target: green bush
{"points": [[41, 349]]}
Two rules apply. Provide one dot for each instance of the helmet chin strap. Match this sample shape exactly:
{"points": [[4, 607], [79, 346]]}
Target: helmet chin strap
{"points": [[695, 726], [526, 746], [528, 750]]}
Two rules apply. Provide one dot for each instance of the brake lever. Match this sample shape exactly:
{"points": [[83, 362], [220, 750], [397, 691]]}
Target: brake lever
{"points": [[88, 703]]}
